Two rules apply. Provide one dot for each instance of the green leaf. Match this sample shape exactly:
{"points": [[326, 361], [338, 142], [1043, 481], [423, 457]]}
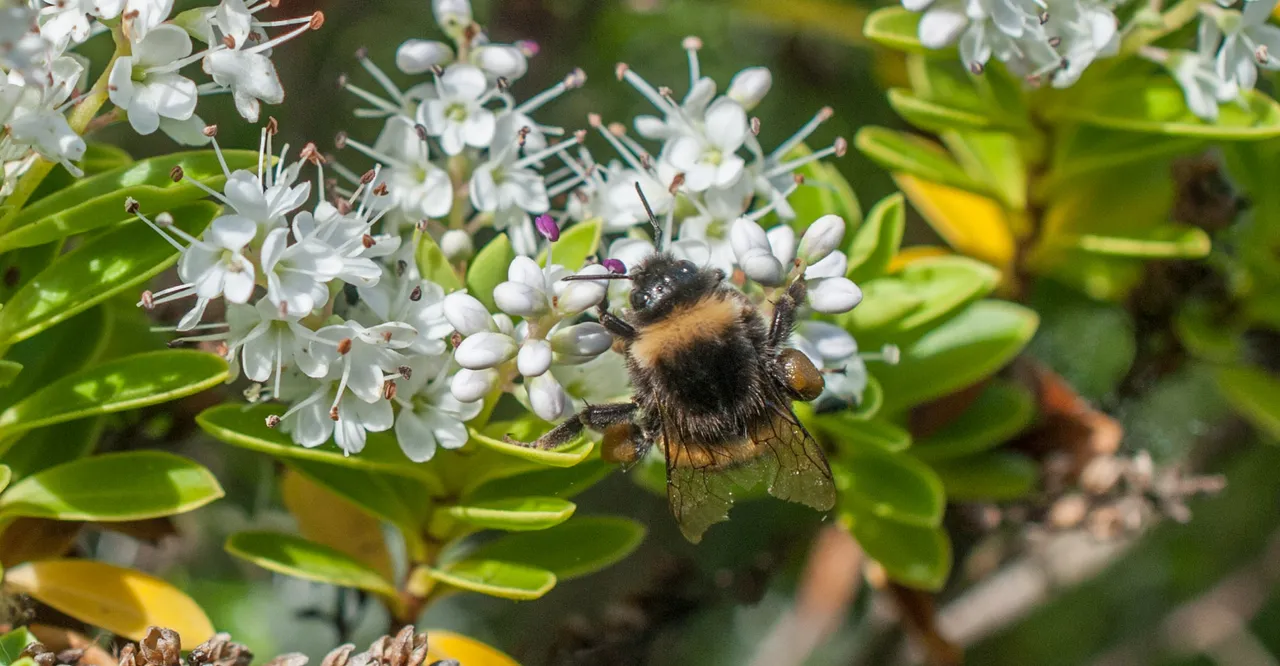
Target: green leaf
{"points": [[825, 191], [95, 271], [569, 550], [433, 265], [849, 431], [489, 269], [566, 456], [896, 28], [915, 556], [944, 285], [1084, 149], [877, 240], [507, 580], [885, 301], [246, 428], [1255, 394], [1164, 242], [12, 644], [1001, 411], [1156, 106], [899, 151], [5, 475], [994, 158], [970, 346], [562, 482], [19, 266], [998, 476], [1089, 343], [99, 201], [936, 117], [135, 485], [294, 556], [576, 244], [9, 371], [376, 493], [126, 383], [515, 514], [43, 448], [98, 158], [61, 350], [890, 486]]}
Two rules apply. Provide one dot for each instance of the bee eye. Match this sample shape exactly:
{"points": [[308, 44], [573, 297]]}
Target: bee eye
{"points": [[687, 267]]}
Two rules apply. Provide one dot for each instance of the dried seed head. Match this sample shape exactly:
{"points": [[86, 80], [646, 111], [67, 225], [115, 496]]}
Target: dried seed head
{"points": [[160, 647], [70, 656], [33, 649], [289, 659], [339, 656], [128, 655]]}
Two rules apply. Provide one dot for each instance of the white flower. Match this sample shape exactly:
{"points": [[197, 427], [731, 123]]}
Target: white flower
{"points": [[754, 254], [419, 56], [485, 349], [417, 302], [65, 21], [530, 290], [266, 205], [467, 315], [500, 60], [22, 46], [1197, 75], [274, 342], [502, 183], [713, 235], [534, 358], [33, 112], [456, 116], [216, 266], [580, 342], [1248, 41], [750, 86], [821, 238], [298, 274], [430, 415], [143, 16], [349, 236], [325, 414], [452, 15], [1087, 31], [416, 187], [471, 385], [547, 398], [147, 86], [709, 159], [830, 292], [364, 354], [249, 75]]}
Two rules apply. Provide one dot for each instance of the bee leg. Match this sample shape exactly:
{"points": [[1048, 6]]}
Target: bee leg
{"points": [[802, 380], [615, 324], [784, 313], [595, 417], [627, 442]]}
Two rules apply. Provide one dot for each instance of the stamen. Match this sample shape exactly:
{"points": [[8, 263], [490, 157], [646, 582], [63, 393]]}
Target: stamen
{"points": [[378, 75], [547, 152], [691, 46], [317, 20], [369, 97], [211, 131], [838, 149], [625, 74], [824, 114]]}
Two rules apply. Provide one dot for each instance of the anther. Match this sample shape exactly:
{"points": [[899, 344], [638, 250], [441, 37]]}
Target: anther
{"points": [[523, 135], [405, 371], [401, 267], [841, 146], [380, 190], [210, 131], [676, 183], [422, 225], [368, 176], [617, 129], [455, 339], [344, 346], [1044, 18], [594, 120], [367, 241], [755, 125], [437, 70], [273, 421], [1055, 41], [389, 390], [340, 140], [176, 173], [620, 70], [343, 206], [665, 92], [164, 219], [273, 126], [691, 43], [646, 161], [421, 130], [502, 83], [798, 178], [825, 113], [131, 206], [1262, 55], [148, 300], [386, 336], [317, 21], [580, 135], [333, 413], [312, 154], [576, 78], [362, 53], [342, 81], [229, 41], [976, 67], [416, 294]]}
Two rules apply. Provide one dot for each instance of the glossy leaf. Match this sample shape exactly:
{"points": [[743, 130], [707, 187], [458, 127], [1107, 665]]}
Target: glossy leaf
{"points": [[1157, 106], [508, 580], [885, 301], [5, 475], [43, 448], [114, 487], [831, 18], [877, 240], [998, 476], [98, 158], [890, 486], [127, 383], [122, 601], [1164, 242], [433, 265], [915, 556], [99, 201], [9, 371], [373, 492], [1084, 149], [564, 482], [514, 514], [61, 350], [943, 285], [569, 550], [848, 431], [489, 269], [331, 520], [935, 116], [577, 243], [246, 428], [95, 271], [19, 266], [972, 345], [297, 557], [448, 645], [1255, 394], [1001, 411], [974, 225], [993, 158], [12, 644], [908, 153], [565, 456], [896, 28]]}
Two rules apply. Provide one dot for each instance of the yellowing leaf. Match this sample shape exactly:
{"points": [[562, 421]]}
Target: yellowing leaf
{"points": [[448, 645], [910, 254], [122, 601], [327, 518], [971, 223]]}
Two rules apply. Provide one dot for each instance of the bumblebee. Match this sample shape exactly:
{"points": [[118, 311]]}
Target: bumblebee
{"points": [[713, 384]]}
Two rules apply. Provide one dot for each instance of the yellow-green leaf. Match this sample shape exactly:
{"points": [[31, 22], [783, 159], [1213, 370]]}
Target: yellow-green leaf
{"points": [[972, 224], [1156, 106], [996, 476], [515, 514], [908, 153], [895, 28], [1163, 242], [297, 557], [877, 240], [566, 456], [489, 269], [122, 601], [915, 556], [576, 245], [1255, 394], [448, 645], [497, 579], [1001, 411], [433, 265], [328, 518]]}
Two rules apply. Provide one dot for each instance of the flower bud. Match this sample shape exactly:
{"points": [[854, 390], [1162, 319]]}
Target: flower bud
{"points": [[545, 396], [473, 385], [456, 245], [547, 227], [586, 339], [782, 239], [760, 265], [745, 235], [504, 324], [832, 342], [534, 358], [580, 295], [835, 264], [467, 315], [418, 56], [519, 299], [833, 295], [750, 86], [821, 238], [615, 266], [485, 350], [500, 60], [452, 14]]}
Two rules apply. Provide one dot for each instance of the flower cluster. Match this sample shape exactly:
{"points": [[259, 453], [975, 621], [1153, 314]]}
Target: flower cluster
{"points": [[147, 80]]}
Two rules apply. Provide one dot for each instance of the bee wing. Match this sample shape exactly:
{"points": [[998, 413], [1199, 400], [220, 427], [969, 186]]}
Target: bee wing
{"points": [[702, 478]]}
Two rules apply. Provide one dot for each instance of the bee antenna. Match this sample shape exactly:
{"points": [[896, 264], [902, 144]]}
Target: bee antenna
{"points": [[653, 219]]}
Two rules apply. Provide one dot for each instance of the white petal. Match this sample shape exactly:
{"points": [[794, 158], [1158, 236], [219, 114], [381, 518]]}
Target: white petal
{"points": [[745, 235], [467, 315], [231, 232], [782, 239], [485, 350], [238, 285], [526, 271], [821, 238], [464, 81], [586, 339], [478, 128], [519, 299], [940, 26], [163, 45], [726, 125], [260, 357], [120, 83], [472, 385], [546, 397], [534, 358], [749, 86], [760, 265], [418, 56], [833, 295], [415, 437]]}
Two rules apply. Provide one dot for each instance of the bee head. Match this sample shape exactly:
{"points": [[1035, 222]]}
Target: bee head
{"points": [[663, 282]]}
